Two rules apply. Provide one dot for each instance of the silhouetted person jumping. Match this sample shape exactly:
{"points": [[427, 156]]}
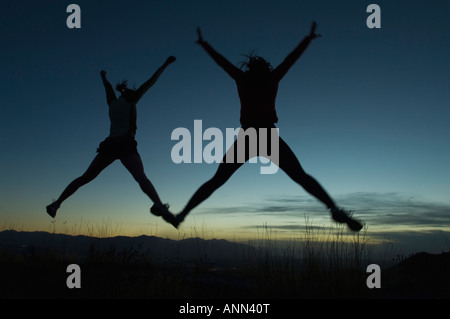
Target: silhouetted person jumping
{"points": [[121, 144], [257, 87]]}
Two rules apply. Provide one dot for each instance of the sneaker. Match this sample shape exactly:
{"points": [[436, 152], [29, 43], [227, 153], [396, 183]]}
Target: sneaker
{"points": [[341, 216], [162, 210], [52, 208]]}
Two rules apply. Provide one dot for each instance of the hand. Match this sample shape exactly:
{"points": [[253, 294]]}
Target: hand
{"points": [[170, 59], [103, 73], [200, 37], [312, 33]]}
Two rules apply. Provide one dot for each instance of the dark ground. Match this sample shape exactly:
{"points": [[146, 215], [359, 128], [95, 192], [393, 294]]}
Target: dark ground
{"points": [[128, 274]]}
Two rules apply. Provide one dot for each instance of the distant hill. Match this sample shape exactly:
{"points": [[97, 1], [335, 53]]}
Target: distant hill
{"points": [[421, 275], [159, 248], [33, 264]]}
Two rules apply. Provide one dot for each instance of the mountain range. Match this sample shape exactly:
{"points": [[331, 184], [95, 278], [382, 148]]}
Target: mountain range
{"points": [[160, 249], [33, 264]]}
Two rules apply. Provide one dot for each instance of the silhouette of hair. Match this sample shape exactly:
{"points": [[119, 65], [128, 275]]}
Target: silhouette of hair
{"points": [[122, 86], [255, 63], [126, 92]]}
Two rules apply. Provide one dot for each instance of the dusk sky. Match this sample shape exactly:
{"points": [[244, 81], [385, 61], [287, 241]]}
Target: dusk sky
{"points": [[366, 111]]}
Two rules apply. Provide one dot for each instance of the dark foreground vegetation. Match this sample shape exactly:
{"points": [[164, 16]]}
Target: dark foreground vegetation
{"points": [[125, 272]]}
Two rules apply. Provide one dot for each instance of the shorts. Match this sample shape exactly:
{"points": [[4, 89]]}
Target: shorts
{"points": [[261, 146], [118, 147]]}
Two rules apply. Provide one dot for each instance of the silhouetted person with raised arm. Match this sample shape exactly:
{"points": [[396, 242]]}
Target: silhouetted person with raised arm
{"points": [[121, 144], [257, 88]]}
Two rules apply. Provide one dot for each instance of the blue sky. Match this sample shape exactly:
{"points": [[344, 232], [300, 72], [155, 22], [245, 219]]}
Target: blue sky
{"points": [[365, 110]]}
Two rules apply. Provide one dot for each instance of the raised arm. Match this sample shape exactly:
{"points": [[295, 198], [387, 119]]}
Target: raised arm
{"points": [[110, 95], [231, 69], [281, 70], [149, 83]]}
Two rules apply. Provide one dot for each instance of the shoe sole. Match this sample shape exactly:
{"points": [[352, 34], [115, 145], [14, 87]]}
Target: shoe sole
{"points": [[351, 223], [354, 225], [50, 213]]}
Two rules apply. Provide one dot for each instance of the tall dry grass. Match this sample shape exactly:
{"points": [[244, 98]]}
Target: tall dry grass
{"points": [[320, 262]]}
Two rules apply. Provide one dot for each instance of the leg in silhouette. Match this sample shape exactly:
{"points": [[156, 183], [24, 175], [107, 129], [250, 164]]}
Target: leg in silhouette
{"points": [[99, 163], [133, 164], [223, 173], [291, 166]]}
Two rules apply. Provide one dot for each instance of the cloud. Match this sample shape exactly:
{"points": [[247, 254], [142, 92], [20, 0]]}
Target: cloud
{"points": [[273, 206], [287, 227], [409, 223], [396, 209], [376, 209]]}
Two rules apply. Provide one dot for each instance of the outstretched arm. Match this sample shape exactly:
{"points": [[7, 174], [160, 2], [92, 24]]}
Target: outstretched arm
{"points": [[110, 95], [149, 83], [232, 70], [284, 67]]}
